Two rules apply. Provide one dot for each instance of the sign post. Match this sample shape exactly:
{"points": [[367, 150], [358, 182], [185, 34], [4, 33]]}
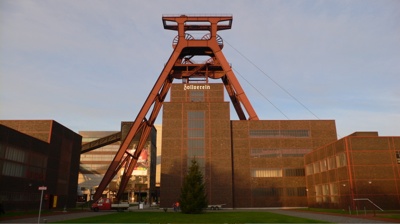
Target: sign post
{"points": [[41, 188]]}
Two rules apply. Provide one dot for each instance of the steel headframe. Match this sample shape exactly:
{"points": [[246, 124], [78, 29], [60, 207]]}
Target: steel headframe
{"points": [[180, 66]]}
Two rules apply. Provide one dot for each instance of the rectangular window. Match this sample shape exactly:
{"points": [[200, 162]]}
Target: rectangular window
{"points": [[195, 133], [316, 167], [323, 165], [279, 133], [267, 192], [333, 189], [265, 153], [274, 153], [296, 192], [341, 160], [266, 173], [291, 192], [331, 163], [301, 191], [299, 172], [309, 169], [196, 96], [295, 152], [14, 154], [318, 193], [196, 138], [274, 191], [325, 193], [13, 169]]}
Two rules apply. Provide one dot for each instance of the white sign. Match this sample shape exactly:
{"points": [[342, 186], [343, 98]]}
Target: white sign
{"points": [[196, 87], [42, 188]]}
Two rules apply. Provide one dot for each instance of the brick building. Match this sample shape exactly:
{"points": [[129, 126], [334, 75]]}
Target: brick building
{"points": [[94, 164], [358, 171], [37, 153], [245, 163]]}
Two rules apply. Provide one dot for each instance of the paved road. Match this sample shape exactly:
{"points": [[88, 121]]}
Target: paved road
{"points": [[309, 215], [328, 218]]}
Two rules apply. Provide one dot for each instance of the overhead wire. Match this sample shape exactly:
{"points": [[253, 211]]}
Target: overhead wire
{"points": [[261, 94], [276, 83]]}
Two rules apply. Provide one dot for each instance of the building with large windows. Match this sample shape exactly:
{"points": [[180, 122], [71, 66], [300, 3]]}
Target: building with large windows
{"points": [[358, 171], [94, 164], [245, 163], [36, 153]]}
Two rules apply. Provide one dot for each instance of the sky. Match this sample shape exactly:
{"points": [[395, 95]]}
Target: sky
{"points": [[91, 64]]}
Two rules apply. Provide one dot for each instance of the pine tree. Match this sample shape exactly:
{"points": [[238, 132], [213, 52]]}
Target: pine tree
{"points": [[193, 198]]}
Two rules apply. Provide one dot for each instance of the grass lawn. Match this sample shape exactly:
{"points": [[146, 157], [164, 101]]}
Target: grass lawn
{"points": [[392, 216], [208, 217]]}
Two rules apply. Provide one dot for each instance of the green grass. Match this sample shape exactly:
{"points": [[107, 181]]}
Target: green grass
{"points": [[392, 216], [209, 217], [23, 213]]}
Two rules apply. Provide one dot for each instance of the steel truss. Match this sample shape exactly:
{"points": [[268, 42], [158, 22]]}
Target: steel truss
{"points": [[180, 66]]}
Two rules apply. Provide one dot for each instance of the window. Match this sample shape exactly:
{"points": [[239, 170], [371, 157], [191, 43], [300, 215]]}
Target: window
{"points": [[299, 172], [265, 153], [309, 169], [331, 163], [274, 153], [266, 173], [301, 191], [196, 138], [341, 160], [318, 193], [325, 193], [296, 191], [14, 154], [13, 169], [324, 165], [279, 133], [196, 96], [316, 167], [295, 152], [267, 192]]}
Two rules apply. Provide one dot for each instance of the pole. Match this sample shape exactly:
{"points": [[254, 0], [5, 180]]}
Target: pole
{"points": [[41, 188], [40, 207]]}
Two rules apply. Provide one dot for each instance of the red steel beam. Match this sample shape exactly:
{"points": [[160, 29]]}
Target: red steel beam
{"points": [[142, 126], [156, 96]]}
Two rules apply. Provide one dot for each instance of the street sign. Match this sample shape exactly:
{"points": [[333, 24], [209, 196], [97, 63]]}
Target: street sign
{"points": [[41, 188]]}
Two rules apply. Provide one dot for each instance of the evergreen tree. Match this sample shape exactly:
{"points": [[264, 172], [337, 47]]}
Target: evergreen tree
{"points": [[193, 198]]}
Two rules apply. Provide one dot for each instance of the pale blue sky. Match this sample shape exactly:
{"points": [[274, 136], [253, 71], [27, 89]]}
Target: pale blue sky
{"points": [[91, 64]]}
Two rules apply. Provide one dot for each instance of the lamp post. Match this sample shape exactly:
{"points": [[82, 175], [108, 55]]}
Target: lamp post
{"points": [[369, 194], [369, 189]]}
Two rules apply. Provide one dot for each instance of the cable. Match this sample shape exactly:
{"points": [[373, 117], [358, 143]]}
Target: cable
{"points": [[287, 92], [260, 93]]}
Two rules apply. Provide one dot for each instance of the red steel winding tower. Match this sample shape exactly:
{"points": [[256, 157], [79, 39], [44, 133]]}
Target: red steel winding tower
{"points": [[181, 65]]}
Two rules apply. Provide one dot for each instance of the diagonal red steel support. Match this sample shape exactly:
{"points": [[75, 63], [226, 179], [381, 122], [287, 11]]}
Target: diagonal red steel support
{"points": [[185, 48], [234, 89], [155, 99]]}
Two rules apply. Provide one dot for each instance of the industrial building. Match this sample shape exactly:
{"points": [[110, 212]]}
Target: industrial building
{"points": [[94, 163], [98, 151], [358, 171], [38, 153], [245, 163]]}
